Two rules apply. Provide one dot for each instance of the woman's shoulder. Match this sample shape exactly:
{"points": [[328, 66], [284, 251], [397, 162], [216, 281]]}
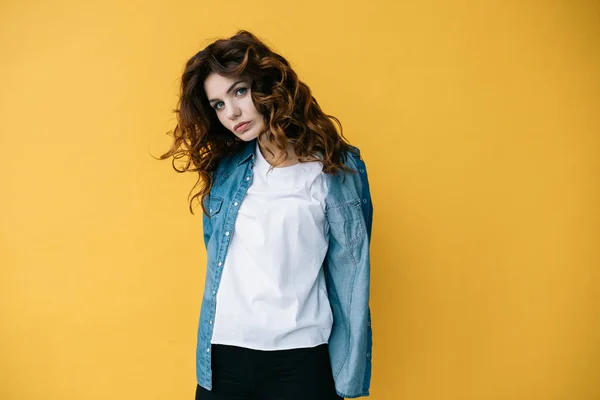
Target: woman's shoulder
{"points": [[240, 153], [353, 158]]}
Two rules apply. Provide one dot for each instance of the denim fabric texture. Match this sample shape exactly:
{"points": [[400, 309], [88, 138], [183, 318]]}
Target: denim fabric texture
{"points": [[349, 212]]}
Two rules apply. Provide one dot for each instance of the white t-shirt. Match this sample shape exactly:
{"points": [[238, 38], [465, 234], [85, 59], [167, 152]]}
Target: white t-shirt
{"points": [[272, 294]]}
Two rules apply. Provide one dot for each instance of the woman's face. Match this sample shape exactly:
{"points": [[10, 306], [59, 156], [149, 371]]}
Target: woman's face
{"points": [[231, 100]]}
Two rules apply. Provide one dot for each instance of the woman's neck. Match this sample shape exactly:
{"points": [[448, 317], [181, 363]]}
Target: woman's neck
{"points": [[271, 153]]}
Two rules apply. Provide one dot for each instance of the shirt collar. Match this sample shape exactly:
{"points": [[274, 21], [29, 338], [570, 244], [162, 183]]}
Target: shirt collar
{"points": [[246, 152]]}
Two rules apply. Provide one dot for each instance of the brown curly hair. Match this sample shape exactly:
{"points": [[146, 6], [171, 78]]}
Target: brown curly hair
{"points": [[291, 113]]}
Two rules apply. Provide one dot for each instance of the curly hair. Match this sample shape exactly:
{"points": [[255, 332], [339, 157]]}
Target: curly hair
{"points": [[291, 113]]}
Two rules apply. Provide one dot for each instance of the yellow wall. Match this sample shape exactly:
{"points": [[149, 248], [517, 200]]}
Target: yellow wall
{"points": [[479, 124]]}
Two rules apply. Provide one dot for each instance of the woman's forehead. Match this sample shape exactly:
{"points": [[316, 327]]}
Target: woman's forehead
{"points": [[218, 85]]}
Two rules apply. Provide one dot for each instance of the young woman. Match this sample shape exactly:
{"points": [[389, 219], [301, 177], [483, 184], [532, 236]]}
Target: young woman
{"points": [[287, 225]]}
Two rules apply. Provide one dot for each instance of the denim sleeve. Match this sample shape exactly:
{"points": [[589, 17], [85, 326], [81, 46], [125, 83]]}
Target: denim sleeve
{"points": [[351, 340], [206, 226], [367, 203], [366, 194], [367, 208]]}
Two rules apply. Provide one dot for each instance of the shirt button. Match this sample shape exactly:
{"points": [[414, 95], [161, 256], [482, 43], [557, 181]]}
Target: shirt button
{"points": [[208, 350], [364, 200], [247, 178], [220, 263], [210, 322], [227, 233], [214, 292], [362, 171], [210, 210], [235, 204], [368, 354]]}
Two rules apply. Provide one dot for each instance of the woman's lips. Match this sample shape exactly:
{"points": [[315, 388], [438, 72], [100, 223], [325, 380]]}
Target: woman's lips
{"points": [[240, 127]]}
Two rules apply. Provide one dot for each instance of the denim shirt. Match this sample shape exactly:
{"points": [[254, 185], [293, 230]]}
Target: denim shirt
{"points": [[349, 212]]}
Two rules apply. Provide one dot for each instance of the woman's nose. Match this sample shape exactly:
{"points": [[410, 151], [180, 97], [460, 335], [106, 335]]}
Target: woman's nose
{"points": [[233, 112]]}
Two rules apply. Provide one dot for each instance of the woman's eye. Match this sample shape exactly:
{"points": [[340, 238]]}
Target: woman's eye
{"points": [[219, 105], [241, 91]]}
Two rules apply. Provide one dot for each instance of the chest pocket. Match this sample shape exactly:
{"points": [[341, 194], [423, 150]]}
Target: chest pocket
{"points": [[346, 223], [214, 205]]}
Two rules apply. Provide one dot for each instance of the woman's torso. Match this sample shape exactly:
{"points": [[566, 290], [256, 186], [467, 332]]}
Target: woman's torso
{"points": [[272, 294]]}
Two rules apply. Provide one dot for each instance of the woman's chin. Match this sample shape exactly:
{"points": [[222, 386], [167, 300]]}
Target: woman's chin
{"points": [[247, 136]]}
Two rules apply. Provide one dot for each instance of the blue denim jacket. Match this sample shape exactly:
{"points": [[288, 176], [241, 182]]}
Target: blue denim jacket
{"points": [[349, 213]]}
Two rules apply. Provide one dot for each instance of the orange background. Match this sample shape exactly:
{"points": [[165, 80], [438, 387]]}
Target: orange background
{"points": [[479, 125]]}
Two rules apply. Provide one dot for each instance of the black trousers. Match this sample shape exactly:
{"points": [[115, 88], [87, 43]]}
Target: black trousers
{"points": [[247, 374]]}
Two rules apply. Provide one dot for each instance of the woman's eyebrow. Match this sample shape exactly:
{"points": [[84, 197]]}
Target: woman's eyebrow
{"points": [[228, 90]]}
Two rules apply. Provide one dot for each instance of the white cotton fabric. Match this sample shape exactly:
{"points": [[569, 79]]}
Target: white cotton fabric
{"points": [[272, 294]]}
